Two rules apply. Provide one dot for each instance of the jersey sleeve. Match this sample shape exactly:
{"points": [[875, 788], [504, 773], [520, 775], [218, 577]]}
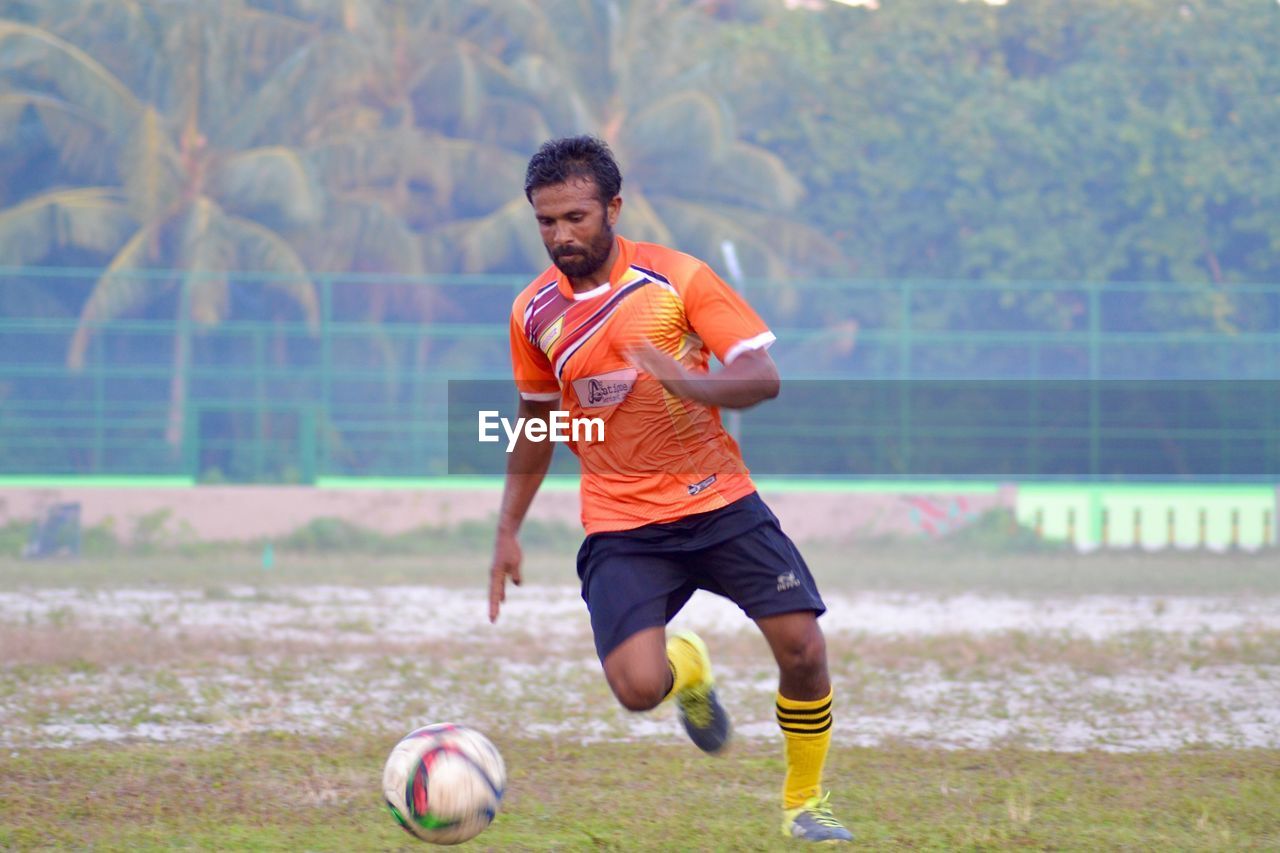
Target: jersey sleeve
{"points": [[722, 318], [535, 378]]}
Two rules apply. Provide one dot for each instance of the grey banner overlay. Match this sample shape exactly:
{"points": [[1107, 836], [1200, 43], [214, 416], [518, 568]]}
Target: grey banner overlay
{"points": [[1111, 430]]}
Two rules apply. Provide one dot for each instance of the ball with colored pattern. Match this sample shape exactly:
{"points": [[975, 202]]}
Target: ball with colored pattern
{"points": [[444, 782]]}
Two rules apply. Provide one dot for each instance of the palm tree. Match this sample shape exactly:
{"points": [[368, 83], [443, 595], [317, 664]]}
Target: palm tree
{"points": [[190, 180], [457, 96], [431, 120], [428, 128], [638, 74]]}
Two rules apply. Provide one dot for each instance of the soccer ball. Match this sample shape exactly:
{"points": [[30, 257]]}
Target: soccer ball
{"points": [[443, 783]]}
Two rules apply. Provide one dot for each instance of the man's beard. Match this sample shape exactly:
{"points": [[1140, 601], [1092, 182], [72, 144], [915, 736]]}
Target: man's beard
{"points": [[590, 260]]}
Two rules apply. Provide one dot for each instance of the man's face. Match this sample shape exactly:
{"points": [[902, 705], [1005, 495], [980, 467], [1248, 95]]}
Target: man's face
{"points": [[577, 228]]}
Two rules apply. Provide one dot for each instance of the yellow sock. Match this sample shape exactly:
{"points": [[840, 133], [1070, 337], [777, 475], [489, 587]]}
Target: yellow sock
{"points": [[806, 728], [685, 663]]}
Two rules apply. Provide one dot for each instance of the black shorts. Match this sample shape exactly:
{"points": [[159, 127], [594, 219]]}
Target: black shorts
{"points": [[640, 578]]}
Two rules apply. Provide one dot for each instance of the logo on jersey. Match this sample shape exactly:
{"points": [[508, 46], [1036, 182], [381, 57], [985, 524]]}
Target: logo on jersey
{"points": [[607, 389], [551, 335], [698, 487]]}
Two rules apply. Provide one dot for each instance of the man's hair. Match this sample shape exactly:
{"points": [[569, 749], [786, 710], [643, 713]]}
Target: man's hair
{"points": [[559, 160]]}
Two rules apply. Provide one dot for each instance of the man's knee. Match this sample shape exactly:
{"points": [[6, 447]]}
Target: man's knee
{"points": [[637, 670], [638, 693], [803, 652]]}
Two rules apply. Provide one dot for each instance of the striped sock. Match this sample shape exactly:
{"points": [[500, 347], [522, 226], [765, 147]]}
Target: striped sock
{"points": [[806, 728]]}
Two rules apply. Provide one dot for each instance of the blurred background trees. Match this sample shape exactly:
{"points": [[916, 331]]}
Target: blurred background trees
{"points": [[246, 217], [921, 139]]}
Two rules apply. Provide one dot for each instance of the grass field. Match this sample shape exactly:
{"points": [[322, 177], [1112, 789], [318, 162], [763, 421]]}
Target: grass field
{"points": [[985, 700], [288, 792]]}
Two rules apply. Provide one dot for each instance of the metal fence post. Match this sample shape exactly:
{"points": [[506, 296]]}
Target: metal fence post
{"points": [[905, 345], [307, 445], [99, 404], [1095, 372], [321, 423]]}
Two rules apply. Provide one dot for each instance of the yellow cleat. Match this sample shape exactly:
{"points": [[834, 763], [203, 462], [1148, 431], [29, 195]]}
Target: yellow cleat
{"points": [[701, 713], [814, 822]]}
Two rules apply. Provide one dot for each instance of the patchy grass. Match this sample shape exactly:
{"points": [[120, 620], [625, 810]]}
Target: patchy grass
{"points": [[283, 662], [65, 645], [933, 566], [155, 534], [285, 792], [217, 574], [165, 663], [908, 567]]}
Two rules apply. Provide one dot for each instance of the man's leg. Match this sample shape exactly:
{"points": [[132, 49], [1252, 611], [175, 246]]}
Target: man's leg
{"points": [[631, 593], [761, 571], [804, 703], [803, 700], [646, 669]]}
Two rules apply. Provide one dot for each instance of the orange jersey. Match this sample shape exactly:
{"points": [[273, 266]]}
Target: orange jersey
{"points": [[662, 457]]}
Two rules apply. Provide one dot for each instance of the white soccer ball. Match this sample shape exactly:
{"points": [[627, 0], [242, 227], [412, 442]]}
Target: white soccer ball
{"points": [[444, 782]]}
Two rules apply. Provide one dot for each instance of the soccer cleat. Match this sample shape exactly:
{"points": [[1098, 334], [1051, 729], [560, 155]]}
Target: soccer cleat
{"points": [[701, 713], [814, 821]]}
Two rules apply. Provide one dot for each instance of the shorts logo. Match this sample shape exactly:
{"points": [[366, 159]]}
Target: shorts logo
{"points": [[698, 487], [607, 389], [788, 581]]}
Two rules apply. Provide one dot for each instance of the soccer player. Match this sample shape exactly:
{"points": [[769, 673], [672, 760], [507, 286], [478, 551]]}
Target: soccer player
{"points": [[623, 331]]}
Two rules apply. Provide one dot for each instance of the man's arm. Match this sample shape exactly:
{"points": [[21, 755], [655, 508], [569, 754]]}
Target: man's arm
{"points": [[527, 465], [750, 378]]}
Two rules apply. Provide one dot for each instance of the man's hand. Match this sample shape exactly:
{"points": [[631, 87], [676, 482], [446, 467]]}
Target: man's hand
{"points": [[672, 374], [750, 379], [506, 561]]}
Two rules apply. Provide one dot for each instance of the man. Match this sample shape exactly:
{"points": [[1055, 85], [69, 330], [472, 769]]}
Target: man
{"points": [[623, 331]]}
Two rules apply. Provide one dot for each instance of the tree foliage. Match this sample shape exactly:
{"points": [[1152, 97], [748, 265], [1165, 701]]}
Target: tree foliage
{"points": [[1033, 140], [920, 139]]}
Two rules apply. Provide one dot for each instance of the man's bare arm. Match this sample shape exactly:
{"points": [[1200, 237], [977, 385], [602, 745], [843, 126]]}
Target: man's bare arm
{"points": [[527, 466]]}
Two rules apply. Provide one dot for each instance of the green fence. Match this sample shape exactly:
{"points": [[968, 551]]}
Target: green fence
{"points": [[239, 378]]}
